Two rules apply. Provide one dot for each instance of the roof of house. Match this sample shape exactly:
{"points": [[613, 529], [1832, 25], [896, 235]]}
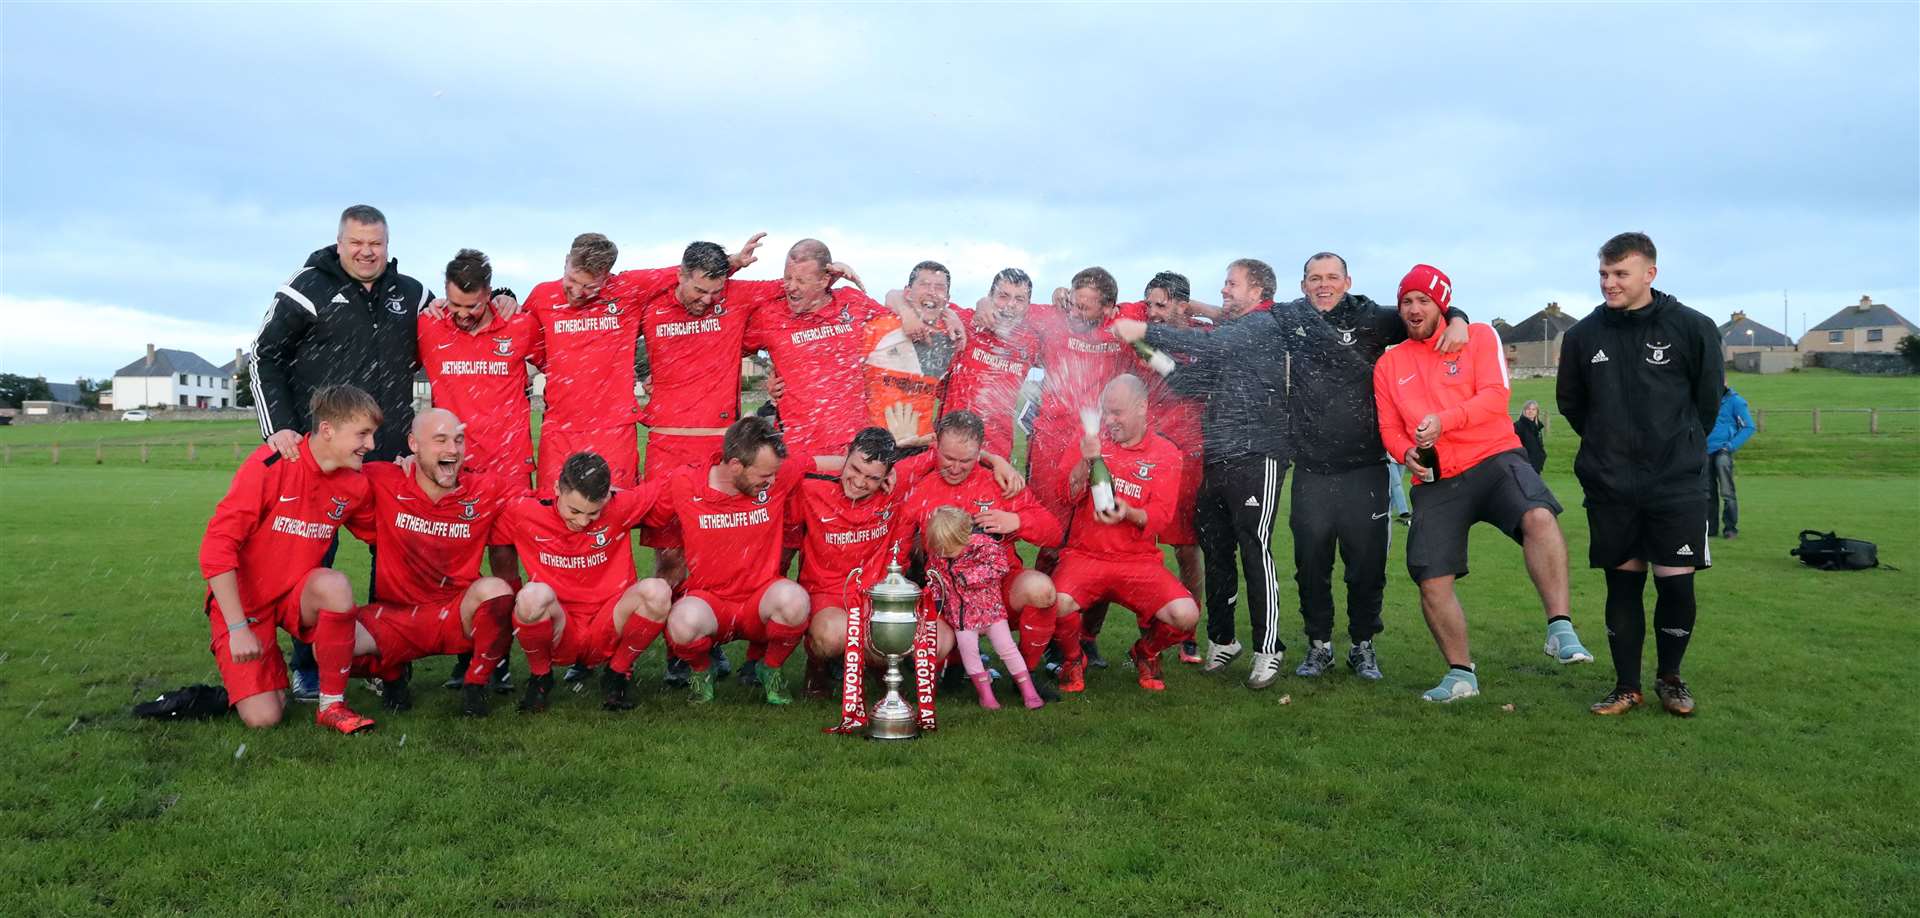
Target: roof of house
{"points": [[64, 392], [167, 362], [231, 367], [1734, 334], [1545, 325], [1865, 314]]}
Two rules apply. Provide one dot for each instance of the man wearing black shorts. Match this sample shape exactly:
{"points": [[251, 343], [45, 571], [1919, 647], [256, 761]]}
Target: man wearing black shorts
{"points": [[1451, 409], [1640, 381]]}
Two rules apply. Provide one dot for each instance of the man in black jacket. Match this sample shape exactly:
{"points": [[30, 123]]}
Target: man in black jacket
{"points": [[1640, 381], [1340, 477], [1240, 370], [347, 316]]}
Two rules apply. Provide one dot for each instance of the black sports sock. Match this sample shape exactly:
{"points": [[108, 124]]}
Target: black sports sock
{"points": [[1468, 669], [1559, 618], [1626, 624], [1673, 615]]}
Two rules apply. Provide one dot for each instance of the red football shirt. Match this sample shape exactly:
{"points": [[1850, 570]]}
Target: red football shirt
{"points": [[978, 492], [696, 360], [481, 376], [1174, 416], [818, 355], [429, 551], [1079, 363], [986, 377], [276, 523], [588, 568], [590, 350], [840, 534], [732, 540], [1468, 389], [1145, 475]]}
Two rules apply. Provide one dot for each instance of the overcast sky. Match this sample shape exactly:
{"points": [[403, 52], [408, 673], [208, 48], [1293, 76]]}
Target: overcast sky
{"points": [[166, 167]]}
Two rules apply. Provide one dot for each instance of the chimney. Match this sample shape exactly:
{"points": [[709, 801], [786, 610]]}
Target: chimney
{"points": [[1866, 303], [239, 357], [1738, 316], [150, 356], [1553, 309]]}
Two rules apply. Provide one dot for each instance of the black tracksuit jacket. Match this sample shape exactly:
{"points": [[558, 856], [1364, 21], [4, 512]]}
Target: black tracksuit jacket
{"points": [[1642, 389], [325, 328], [1239, 369], [1329, 380]]}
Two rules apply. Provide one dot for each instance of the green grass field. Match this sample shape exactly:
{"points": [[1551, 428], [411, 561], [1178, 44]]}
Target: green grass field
{"points": [[1792, 792]]}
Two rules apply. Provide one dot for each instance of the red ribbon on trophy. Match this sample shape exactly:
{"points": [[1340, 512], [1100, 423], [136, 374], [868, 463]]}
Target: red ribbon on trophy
{"points": [[853, 698]]}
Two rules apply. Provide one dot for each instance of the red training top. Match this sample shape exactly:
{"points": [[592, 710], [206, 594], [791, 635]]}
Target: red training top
{"points": [[695, 360], [1467, 389], [986, 377], [818, 355], [590, 350], [840, 534], [1145, 475], [732, 540], [586, 569]]}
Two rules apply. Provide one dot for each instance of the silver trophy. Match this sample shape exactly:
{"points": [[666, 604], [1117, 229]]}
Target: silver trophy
{"points": [[895, 601]]}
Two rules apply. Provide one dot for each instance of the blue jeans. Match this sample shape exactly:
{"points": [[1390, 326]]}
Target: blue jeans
{"points": [[1397, 490]]}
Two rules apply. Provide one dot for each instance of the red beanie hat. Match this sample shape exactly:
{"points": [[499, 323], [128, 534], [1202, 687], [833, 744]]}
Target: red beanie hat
{"points": [[1428, 280]]}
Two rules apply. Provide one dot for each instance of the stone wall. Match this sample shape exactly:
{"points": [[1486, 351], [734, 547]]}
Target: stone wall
{"points": [[1865, 364]]}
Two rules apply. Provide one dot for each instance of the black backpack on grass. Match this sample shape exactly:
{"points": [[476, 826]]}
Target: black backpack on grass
{"points": [[194, 702], [1828, 552]]}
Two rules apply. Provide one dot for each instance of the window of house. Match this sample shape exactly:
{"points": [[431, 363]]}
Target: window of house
{"points": [[1876, 334], [183, 379], [183, 400], [1836, 337]]}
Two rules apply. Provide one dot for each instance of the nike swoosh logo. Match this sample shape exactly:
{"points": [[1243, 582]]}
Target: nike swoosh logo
{"points": [[442, 347], [543, 538], [828, 519], [1409, 376], [402, 497], [285, 499], [1379, 516]]}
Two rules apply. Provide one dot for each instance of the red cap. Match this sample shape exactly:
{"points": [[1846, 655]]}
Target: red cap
{"points": [[1428, 280]]}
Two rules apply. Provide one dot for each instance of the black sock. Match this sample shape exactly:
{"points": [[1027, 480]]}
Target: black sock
{"points": [[1626, 624], [1465, 669], [1559, 618], [1673, 614]]}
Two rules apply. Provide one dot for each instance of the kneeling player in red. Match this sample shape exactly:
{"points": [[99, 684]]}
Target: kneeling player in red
{"points": [[843, 521], [1111, 552], [731, 515], [431, 521], [262, 551], [581, 603]]}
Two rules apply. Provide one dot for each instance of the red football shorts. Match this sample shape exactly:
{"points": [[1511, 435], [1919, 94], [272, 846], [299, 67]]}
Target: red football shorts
{"points": [[268, 672], [666, 452], [738, 620], [407, 633], [514, 463], [589, 636], [1145, 587], [1180, 529], [617, 445]]}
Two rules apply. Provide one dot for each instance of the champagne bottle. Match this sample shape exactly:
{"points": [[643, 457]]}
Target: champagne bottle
{"points": [[1100, 482], [1430, 458], [1157, 360]]}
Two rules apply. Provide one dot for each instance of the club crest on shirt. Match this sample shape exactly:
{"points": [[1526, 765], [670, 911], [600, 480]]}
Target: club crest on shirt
{"points": [[1346, 336], [1657, 354], [1453, 367], [760, 497], [613, 307], [339, 511], [503, 347], [1143, 469], [982, 506], [845, 315], [719, 309], [396, 305], [468, 510], [599, 538]]}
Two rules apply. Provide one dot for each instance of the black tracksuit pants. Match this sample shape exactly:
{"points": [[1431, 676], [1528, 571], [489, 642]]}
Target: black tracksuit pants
{"points": [[1347, 511], [1235, 517]]}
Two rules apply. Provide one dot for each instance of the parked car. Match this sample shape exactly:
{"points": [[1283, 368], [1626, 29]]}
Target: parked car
{"points": [[136, 414]]}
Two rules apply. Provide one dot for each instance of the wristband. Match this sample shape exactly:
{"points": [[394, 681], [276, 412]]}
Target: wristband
{"points": [[240, 625]]}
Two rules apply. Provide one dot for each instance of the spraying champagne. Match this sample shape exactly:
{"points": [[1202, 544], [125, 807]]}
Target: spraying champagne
{"points": [[1099, 479], [1156, 359]]}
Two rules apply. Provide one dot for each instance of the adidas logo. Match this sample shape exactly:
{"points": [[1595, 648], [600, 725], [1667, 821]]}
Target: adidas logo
{"points": [[1686, 551], [339, 298], [1599, 357], [1253, 501]]}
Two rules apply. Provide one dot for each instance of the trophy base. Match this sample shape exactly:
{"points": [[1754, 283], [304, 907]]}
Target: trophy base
{"points": [[893, 719]]}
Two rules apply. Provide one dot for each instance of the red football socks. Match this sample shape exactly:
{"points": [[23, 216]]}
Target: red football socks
{"points": [[635, 638], [492, 638], [781, 640], [536, 641], [698, 653], [1066, 635], [1036, 630], [1162, 636], [333, 652]]}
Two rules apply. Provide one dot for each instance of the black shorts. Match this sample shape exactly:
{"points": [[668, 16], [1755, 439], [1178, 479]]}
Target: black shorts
{"points": [[1500, 490], [1670, 535]]}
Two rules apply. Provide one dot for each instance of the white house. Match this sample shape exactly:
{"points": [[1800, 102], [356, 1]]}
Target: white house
{"points": [[172, 379]]}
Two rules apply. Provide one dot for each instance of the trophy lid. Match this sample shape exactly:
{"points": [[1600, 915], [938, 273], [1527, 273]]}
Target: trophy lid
{"points": [[894, 585]]}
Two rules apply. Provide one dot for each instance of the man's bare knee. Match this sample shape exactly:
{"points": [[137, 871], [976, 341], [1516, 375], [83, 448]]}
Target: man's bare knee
{"points": [[330, 589]]}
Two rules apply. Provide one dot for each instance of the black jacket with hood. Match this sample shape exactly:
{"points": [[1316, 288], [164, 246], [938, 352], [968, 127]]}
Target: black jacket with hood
{"points": [[325, 328], [1642, 389]]}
